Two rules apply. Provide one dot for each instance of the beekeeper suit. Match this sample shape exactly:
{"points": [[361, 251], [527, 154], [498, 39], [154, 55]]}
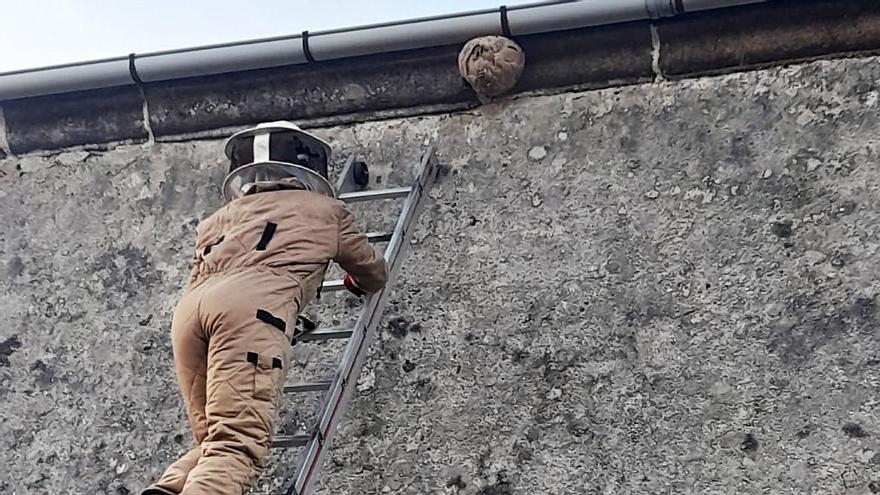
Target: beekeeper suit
{"points": [[258, 261]]}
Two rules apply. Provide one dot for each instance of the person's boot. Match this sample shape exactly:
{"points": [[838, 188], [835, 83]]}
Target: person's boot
{"points": [[156, 491]]}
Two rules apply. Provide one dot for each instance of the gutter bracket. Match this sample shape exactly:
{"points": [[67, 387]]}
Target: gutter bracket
{"points": [[505, 23], [305, 45], [658, 9], [132, 70]]}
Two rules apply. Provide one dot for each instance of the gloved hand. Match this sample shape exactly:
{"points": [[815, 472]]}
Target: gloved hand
{"points": [[352, 287]]}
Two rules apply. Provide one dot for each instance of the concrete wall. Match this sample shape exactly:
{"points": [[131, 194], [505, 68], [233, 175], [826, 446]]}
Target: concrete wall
{"points": [[663, 288]]}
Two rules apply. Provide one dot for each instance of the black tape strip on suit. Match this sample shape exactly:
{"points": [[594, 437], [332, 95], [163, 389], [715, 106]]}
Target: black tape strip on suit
{"points": [[276, 364], [268, 233], [253, 357], [271, 319], [321, 286]]}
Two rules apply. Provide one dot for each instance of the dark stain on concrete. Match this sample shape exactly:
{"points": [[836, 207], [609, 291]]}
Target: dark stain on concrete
{"points": [[501, 488], [781, 229], [533, 435], [523, 452], [7, 347], [575, 426], [740, 149], [805, 327], [864, 308], [749, 443], [806, 431], [14, 268], [129, 270], [44, 374], [456, 482], [518, 355], [854, 430], [398, 327], [555, 367], [374, 427]]}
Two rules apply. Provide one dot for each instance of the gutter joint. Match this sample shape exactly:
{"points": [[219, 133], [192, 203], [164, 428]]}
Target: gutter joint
{"points": [[4, 137]]}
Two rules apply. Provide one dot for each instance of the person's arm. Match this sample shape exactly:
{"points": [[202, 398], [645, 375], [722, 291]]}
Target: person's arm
{"points": [[366, 267]]}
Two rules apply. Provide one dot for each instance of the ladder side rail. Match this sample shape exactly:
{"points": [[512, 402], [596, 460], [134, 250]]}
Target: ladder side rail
{"points": [[374, 194], [394, 251], [392, 254], [343, 384], [414, 203]]}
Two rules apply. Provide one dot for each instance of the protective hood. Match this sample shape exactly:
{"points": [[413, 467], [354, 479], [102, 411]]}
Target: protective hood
{"points": [[276, 155]]}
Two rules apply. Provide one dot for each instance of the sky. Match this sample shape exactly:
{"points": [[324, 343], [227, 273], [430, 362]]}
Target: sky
{"points": [[36, 33]]}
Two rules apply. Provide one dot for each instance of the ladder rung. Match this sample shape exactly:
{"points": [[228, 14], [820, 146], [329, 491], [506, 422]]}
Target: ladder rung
{"points": [[325, 334], [307, 387], [379, 236], [358, 196], [287, 441], [332, 286]]}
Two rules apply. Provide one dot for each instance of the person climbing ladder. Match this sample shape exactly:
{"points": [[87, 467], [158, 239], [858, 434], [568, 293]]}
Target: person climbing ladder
{"points": [[259, 260]]}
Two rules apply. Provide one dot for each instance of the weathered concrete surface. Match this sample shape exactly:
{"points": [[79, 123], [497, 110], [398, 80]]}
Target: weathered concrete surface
{"points": [[663, 288], [751, 36], [84, 117]]}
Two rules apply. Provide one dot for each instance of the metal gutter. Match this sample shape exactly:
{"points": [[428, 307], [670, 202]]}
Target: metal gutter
{"points": [[342, 43]]}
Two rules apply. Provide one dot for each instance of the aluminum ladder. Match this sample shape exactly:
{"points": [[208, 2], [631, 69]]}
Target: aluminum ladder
{"points": [[339, 390]]}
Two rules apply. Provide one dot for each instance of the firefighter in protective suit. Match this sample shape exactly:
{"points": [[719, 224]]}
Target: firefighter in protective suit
{"points": [[259, 260]]}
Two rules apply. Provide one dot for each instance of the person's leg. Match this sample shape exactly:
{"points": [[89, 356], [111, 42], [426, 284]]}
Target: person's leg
{"points": [[191, 361], [173, 479], [249, 321]]}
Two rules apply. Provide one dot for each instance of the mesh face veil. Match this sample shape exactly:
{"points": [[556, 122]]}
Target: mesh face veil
{"points": [[276, 155]]}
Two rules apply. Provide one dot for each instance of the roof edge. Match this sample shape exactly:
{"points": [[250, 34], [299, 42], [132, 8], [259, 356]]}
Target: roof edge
{"points": [[414, 82], [321, 46]]}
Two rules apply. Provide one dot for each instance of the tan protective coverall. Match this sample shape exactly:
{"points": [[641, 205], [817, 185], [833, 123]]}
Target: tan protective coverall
{"points": [[258, 261]]}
